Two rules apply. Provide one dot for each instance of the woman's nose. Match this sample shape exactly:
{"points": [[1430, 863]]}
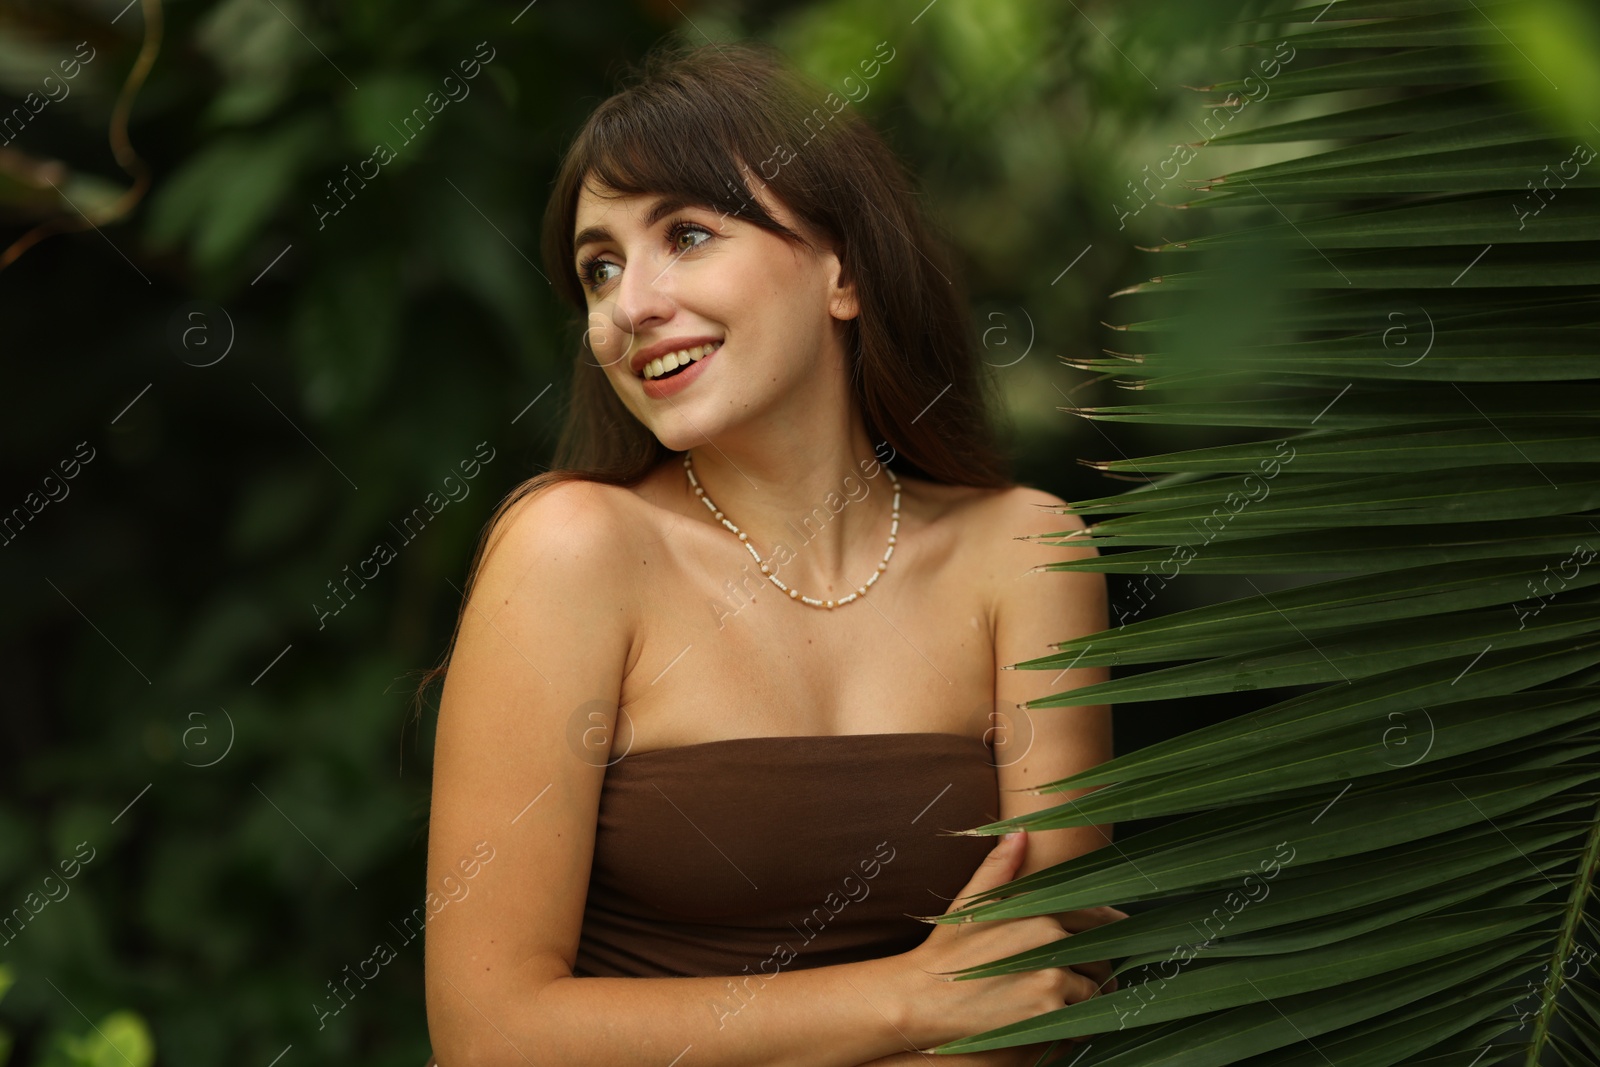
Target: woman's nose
{"points": [[643, 294]]}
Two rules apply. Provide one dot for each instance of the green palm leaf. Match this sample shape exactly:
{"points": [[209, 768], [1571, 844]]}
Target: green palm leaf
{"points": [[1395, 861]]}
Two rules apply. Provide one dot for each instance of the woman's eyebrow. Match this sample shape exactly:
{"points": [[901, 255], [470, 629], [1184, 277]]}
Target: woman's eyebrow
{"points": [[663, 206]]}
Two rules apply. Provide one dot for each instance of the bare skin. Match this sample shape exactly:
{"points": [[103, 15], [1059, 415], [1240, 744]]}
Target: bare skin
{"points": [[758, 667], [608, 607]]}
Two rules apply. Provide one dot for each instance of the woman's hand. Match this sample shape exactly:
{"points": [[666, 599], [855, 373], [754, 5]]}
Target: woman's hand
{"points": [[1076, 922], [940, 1009]]}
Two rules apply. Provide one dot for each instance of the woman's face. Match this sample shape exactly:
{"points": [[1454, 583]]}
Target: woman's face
{"points": [[661, 279]]}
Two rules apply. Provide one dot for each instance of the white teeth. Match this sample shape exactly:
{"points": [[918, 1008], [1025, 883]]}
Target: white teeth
{"points": [[673, 360]]}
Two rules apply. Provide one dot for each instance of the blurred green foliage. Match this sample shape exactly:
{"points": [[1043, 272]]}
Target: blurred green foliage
{"points": [[266, 387], [119, 1038]]}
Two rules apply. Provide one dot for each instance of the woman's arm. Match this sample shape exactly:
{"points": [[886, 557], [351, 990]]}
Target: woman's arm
{"points": [[539, 660], [1030, 611]]}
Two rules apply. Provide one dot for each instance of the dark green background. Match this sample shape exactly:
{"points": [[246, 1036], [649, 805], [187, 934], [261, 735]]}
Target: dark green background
{"points": [[144, 609]]}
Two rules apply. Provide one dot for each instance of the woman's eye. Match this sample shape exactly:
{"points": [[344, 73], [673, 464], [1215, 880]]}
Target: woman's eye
{"points": [[589, 272], [688, 229], [592, 271]]}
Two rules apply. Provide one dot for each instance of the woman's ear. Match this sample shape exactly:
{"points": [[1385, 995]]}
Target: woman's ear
{"points": [[842, 300]]}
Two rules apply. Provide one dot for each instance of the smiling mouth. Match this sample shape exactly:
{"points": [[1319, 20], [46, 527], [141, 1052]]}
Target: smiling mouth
{"points": [[673, 362]]}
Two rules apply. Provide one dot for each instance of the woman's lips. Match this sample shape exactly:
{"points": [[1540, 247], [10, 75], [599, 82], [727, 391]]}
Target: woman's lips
{"points": [[657, 388]]}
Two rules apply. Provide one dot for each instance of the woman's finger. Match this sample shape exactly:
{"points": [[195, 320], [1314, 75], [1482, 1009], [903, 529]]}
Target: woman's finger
{"points": [[1098, 972], [1076, 922]]}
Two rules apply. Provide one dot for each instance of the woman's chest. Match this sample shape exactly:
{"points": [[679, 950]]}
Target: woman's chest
{"points": [[723, 652]]}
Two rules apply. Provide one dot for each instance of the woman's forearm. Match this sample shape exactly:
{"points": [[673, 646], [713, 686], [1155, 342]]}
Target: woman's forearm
{"points": [[837, 1016]]}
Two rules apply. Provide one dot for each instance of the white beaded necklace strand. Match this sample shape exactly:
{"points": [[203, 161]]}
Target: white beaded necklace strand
{"points": [[795, 594]]}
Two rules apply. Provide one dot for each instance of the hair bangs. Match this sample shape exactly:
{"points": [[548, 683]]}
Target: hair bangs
{"points": [[654, 140]]}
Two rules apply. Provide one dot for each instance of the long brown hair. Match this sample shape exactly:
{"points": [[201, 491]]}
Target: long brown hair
{"points": [[692, 124]]}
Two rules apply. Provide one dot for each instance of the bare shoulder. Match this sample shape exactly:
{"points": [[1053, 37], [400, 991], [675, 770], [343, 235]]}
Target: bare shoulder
{"points": [[570, 531], [1017, 511], [570, 514], [1023, 511], [1006, 525], [549, 614]]}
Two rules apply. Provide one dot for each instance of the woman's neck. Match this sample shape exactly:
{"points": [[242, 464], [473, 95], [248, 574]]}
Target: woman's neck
{"points": [[826, 498]]}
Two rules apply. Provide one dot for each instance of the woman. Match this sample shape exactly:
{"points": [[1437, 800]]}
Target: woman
{"points": [[725, 679]]}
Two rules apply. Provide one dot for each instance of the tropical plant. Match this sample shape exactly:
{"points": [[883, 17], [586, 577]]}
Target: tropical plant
{"points": [[119, 1038], [1394, 862]]}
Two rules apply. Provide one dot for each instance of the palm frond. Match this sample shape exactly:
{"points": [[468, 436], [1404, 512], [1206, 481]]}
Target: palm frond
{"points": [[1395, 862]]}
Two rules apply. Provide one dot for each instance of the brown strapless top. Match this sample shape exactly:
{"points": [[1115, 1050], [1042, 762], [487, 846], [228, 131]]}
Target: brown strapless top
{"points": [[765, 854]]}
